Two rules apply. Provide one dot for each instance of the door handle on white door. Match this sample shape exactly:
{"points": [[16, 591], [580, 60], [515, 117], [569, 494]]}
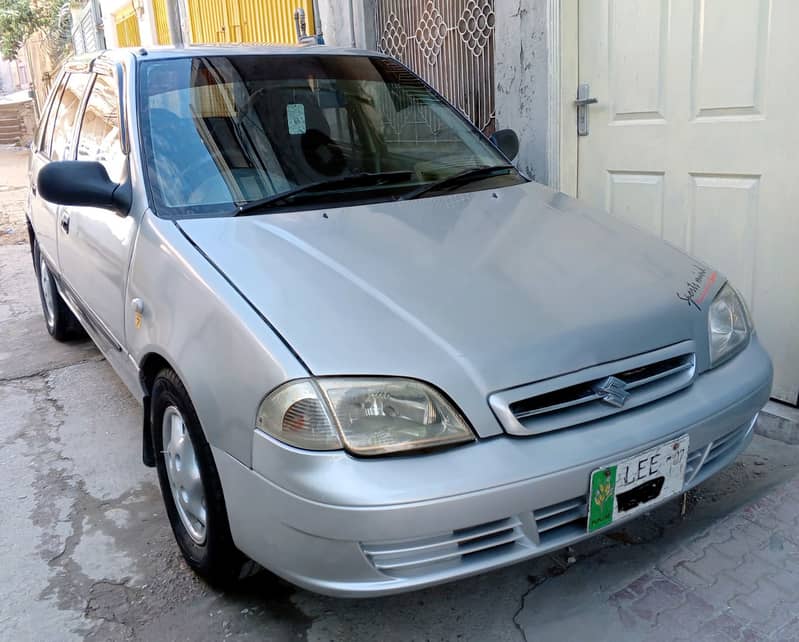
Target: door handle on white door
{"points": [[65, 221], [583, 100]]}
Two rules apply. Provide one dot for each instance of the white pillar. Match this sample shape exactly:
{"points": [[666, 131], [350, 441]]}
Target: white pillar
{"points": [[110, 30], [147, 30], [521, 76]]}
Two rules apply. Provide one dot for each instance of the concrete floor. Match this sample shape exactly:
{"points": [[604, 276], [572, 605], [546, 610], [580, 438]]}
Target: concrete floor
{"points": [[86, 551]]}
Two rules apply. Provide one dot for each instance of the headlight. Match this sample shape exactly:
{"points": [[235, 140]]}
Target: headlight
{"points": [[367, 416], [729, 325]]}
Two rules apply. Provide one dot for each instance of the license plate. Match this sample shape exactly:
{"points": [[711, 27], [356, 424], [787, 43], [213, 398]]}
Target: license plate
{"points": [[635, 484]]}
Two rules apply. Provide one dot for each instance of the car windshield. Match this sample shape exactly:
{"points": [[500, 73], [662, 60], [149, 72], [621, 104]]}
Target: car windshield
{"points": [[222, 135]]}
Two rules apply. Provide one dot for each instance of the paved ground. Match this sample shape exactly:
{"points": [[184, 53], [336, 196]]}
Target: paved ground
{"points": [[86, 552]]}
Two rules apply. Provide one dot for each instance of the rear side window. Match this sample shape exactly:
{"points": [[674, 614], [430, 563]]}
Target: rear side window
{"points": [[66, 117], [48, 120], [99, 132]]}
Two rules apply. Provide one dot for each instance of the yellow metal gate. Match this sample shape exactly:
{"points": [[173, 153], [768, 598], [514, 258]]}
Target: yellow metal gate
{"points": [[214, 21], [127, 28], [161, 22]]}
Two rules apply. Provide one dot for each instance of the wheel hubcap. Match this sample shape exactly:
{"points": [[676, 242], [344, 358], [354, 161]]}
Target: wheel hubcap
{"points": [[47, 293], [183, 473]]}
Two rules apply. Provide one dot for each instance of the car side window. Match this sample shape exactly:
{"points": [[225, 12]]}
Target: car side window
{"points": [[45, 133], [99, 138], [67, 115]]}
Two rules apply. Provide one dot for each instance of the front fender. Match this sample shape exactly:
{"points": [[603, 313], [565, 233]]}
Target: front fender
{"points": [[225, 353]]}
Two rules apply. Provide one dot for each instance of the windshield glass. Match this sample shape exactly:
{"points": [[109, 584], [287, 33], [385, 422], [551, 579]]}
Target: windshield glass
{"points": [[221, 132]]}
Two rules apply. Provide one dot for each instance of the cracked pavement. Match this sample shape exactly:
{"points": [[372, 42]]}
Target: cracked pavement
{"points": [[86, 551]]}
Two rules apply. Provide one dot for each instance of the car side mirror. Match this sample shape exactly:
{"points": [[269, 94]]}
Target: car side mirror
{"points": [[82, 184], [506, 141]]}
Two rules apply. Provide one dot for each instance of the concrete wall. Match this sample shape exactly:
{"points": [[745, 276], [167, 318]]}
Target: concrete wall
{"points": [[521, 76], [27, 117], [6, 77], [43, 70], [335, 17]]}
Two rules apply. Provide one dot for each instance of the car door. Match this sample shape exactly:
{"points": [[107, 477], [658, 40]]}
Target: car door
{"points": [[55, 143], [95, 244]]}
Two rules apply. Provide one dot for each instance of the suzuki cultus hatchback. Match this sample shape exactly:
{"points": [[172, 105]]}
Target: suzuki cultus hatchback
{"points": [[373, 356]]}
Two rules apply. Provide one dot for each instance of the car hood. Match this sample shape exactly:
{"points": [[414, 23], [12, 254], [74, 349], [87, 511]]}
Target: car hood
{"points": [[473, 292]]}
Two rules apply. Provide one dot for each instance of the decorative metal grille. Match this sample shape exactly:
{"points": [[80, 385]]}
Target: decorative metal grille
{"points": [[449, 43]]}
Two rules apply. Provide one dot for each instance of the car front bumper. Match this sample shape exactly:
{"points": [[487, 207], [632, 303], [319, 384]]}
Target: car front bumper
{"points": [[344, 526]]}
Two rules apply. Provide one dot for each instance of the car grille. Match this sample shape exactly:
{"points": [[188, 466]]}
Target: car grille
{"points": [[576, 398]]}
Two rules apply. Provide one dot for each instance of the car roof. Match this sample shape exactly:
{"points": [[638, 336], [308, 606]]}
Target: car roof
{"points": [[164, 52]]}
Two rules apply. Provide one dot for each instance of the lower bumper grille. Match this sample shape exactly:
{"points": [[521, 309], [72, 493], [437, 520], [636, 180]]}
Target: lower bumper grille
{"points": [[563, 520], [412, 557], [551, 526], [716, 454]]}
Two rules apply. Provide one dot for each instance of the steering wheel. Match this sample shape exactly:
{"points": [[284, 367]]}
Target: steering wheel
{"points": [[322, 154]]}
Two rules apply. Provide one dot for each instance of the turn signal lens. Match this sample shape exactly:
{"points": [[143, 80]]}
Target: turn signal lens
{"points": [[294, 414]]}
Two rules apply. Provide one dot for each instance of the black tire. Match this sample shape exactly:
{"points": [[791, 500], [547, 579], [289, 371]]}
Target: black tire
{"points": [[216, 559], [60, 322]]}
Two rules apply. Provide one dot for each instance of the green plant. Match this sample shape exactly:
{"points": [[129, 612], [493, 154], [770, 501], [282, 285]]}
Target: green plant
{"points": [[21, 18]]}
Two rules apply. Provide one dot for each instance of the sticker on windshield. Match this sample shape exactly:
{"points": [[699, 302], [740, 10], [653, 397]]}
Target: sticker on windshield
{"points": [[295, 113]]}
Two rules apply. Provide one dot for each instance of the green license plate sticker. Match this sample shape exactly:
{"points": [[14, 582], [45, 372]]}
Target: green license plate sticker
{"points": [[603, 494]]}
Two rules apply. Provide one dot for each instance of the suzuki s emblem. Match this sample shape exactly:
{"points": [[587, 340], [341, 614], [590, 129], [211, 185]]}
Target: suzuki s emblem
{"points": [[613, 391]]}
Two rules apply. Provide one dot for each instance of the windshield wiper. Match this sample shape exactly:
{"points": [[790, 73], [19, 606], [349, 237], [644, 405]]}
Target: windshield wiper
{"points": [[466, 176], [351, 180]]}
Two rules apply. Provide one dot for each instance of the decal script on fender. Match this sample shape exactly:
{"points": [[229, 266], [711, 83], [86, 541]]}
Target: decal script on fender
{"points": [[700, 285]]}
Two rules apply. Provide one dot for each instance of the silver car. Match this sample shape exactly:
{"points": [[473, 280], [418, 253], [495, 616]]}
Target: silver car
{"points": [[373, 356]]}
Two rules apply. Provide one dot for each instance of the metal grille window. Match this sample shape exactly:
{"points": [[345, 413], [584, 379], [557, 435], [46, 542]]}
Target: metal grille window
{"points": [[449, 43], [85, 34]]}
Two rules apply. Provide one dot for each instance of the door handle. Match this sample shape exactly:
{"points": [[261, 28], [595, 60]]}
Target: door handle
{"points": [[65, 222], [584, 99]]}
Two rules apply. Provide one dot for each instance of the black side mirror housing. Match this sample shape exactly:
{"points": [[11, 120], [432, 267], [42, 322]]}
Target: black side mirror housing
{"points": [[506, 141], [82, 184]]}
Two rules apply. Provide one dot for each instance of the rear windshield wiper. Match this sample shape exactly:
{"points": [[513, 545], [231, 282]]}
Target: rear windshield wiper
{"points": [[466, 176], [351, 180]]}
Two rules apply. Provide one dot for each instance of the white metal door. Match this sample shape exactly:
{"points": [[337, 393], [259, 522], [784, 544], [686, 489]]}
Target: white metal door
{"points": [[694, 137]]}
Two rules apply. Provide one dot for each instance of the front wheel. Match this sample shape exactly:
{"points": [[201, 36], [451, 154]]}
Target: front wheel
{"points": [[191, 487]]}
